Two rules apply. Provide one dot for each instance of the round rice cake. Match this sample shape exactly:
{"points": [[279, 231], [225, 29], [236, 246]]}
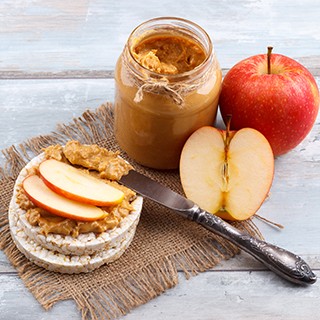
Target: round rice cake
{"points": [[86, 243], [58, 262], [64, 253]]}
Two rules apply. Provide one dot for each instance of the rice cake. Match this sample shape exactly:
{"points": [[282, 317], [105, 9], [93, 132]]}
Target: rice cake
{"points": [[67, 254]]}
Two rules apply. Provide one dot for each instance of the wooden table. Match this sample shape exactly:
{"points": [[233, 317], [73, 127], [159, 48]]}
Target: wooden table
{"points": [[57, 59]]}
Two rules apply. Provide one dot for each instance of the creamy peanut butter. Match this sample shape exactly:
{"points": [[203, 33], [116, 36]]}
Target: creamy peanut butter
{"points": [[92, 157], [169, 54], [100, 163], [167, 86]]}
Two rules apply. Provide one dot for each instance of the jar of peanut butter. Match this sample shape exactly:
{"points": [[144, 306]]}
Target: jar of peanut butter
{"points": [[167, 86]]}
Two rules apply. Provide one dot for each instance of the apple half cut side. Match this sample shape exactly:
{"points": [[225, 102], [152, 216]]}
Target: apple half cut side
{"points": [[45, 198], [75, 184], [227, 173]]}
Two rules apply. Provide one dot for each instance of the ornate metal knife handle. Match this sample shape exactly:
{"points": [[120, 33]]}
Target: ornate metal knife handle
{"points": [[281, 261]]}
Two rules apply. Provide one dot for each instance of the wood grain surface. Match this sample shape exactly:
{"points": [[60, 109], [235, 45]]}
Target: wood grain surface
{"points": [[57, 59]]}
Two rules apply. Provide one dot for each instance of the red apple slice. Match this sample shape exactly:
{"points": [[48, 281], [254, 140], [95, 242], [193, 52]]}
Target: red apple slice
{"points": [[227, 173], [77, 185], [45, 198]]}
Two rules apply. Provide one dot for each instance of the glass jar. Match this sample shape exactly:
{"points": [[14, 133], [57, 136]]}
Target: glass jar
{"points": [[156, 110]]}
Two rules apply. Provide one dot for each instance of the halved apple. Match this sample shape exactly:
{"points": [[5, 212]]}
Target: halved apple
{"points": [[77, 185], [227, 173], [45, 198]]}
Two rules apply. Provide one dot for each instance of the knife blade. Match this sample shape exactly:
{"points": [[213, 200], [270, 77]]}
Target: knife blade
{"points": [[284, 263]]}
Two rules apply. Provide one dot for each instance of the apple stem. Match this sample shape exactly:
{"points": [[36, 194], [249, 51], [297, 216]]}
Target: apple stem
{"points": [[269, 59]]}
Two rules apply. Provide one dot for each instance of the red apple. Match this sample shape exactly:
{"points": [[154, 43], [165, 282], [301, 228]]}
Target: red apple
{"points": [[77, 185], [45, 198], [273, 94]]}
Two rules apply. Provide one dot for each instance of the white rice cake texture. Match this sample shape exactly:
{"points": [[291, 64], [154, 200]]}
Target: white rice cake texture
{"points": [[58, 262], [87, 243], [83, 244], [66, 254]]}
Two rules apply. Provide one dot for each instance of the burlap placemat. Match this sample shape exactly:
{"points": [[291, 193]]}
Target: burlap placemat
{"points": [[164, 242]]}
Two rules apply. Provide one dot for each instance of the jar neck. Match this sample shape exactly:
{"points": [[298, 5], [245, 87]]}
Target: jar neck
{"points": [[170, 27]]}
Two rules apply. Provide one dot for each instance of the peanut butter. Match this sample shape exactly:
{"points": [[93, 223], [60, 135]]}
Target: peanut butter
{"points": [[167, 86], [169, 54], [100, 163]]}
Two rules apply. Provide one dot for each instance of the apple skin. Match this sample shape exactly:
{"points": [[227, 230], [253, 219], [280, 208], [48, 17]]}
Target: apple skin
{"points": [[282, 105], [45, 198], [57, 176]]}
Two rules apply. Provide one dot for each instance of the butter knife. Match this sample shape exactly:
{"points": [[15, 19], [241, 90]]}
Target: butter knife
{"points": [[284, 263]]}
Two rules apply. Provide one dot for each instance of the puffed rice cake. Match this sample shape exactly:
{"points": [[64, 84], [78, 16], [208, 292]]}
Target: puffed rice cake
{"points": [[66, 254]]}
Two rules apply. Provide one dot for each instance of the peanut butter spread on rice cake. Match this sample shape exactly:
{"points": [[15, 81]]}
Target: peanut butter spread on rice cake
{"points": [[97, 161]]}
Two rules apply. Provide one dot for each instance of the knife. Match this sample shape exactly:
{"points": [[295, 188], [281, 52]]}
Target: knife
{"points": [[284, 263]]}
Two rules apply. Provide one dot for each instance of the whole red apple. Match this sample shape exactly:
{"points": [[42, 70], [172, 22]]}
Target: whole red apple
{"points": [[273, 94]]}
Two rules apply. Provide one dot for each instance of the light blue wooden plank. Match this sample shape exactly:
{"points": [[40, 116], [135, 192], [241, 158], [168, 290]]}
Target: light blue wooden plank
{"points": [[17, 303], [211, 295], [33, 107], [241, 262], [58, 35]]}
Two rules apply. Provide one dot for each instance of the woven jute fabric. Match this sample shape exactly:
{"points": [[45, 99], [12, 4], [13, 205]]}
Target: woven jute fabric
{"points": [[164, 242]]}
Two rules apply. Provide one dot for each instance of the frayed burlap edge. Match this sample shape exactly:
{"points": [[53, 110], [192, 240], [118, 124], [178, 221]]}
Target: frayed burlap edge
{"points": [[108, 300]]}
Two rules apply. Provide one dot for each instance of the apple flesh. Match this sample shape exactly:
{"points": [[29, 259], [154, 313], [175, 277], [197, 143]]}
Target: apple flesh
{"points": [[227, 173], [77, 185], [45, 198], [282, 105]]}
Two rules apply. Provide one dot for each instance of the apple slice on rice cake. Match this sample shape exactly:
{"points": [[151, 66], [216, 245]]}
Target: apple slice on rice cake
{"points": [[77, 252]]}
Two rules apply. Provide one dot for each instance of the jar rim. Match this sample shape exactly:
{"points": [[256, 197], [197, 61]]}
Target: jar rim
{"points": [[183, 23]]}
